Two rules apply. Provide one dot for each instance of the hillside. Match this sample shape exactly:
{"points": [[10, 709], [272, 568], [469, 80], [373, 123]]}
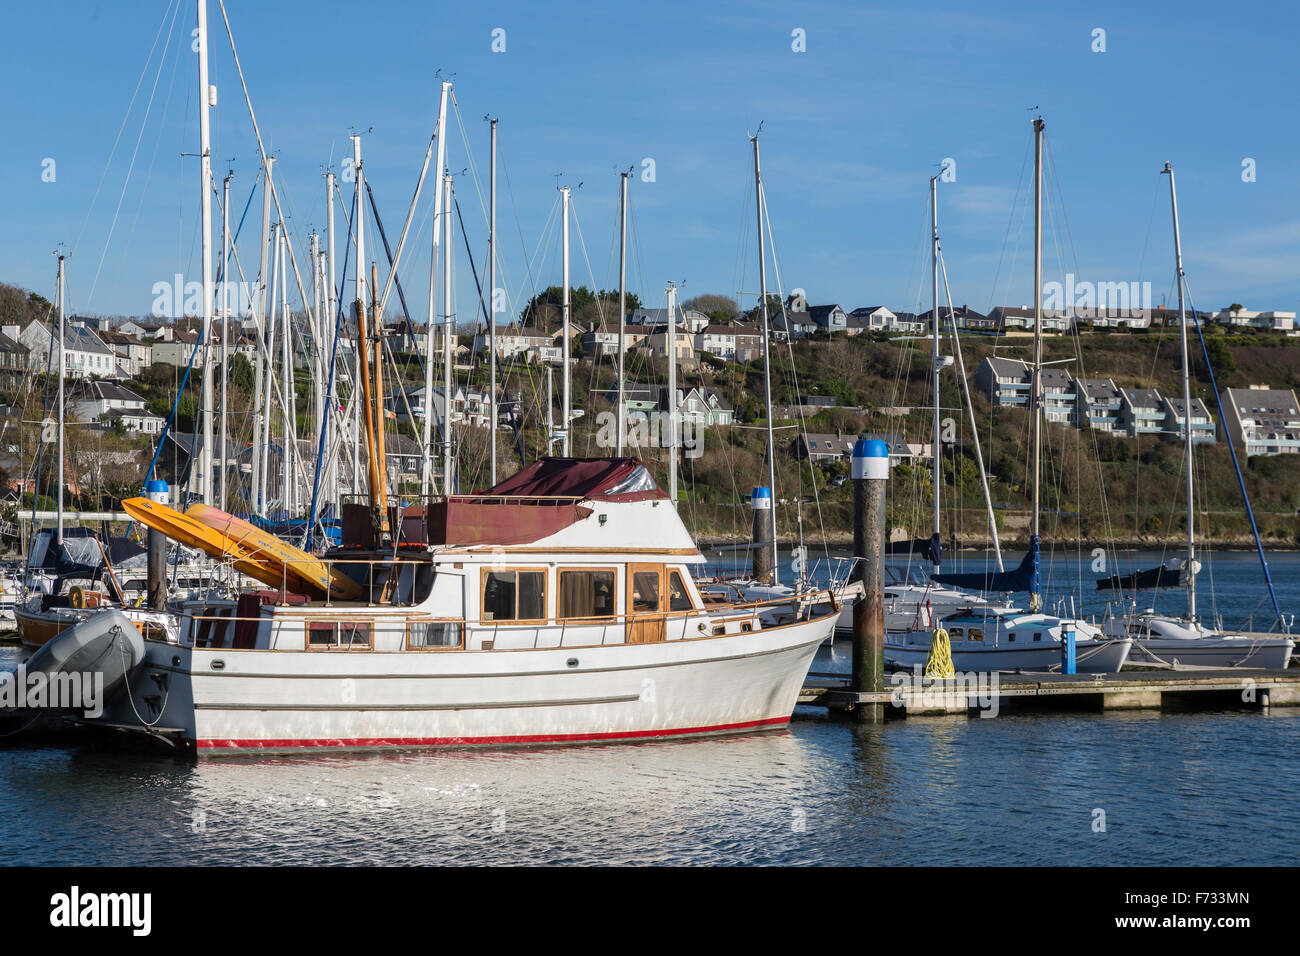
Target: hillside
{"points": [[1096, 488]]}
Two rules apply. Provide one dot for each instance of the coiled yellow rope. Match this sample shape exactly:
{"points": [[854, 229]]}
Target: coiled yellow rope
{"points": [[940, 662]]}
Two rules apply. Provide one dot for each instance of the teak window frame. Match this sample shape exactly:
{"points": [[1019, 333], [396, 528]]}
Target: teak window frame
{"points": [[559, 592], [421, 648], [546, 596], [336, 622]]}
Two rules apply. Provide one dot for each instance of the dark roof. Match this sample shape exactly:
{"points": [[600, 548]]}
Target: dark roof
{"points": [[105, 391]]}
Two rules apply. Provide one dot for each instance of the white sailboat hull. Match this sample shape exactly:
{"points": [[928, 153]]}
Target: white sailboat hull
{"points": [[1269, 652], [222, 701], [1091, 657]]}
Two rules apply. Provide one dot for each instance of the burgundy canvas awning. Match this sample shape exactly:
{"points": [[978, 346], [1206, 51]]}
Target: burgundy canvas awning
{"points": [[622, 479], [538, 501]]}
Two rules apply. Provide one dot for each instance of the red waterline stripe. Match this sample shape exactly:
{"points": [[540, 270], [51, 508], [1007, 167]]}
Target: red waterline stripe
{"points": [[481, 741]]}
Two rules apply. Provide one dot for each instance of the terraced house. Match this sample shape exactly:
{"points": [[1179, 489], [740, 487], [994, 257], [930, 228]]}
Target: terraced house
{"points": [[1203, 430], [1262, 421], [1007, 382], [1097, 404], [1141, 412]]}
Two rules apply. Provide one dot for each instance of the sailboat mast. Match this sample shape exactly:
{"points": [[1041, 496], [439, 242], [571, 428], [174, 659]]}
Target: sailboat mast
{"points": [[670, 335], [426, 463], [448, 340], [269, 326], [205, 158], [936, 456], [257, 481], [767, 348], [363, 346], [286, 382], [492, 308], [565, 416], [331, 479], [1036, 391], [550, 410], [1187, 405], [380, 409], [225, 335], [58, 479], [322, 373], [620, 412]]}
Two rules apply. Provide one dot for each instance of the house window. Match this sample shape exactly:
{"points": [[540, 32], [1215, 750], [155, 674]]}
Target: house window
{"points": [[329, 635], [514, 595], [586, 593]]}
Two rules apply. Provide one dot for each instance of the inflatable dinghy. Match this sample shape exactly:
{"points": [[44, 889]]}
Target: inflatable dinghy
{"points": [[107, 643]]}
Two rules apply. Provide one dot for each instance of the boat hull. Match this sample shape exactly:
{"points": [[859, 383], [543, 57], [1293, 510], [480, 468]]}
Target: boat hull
{"points": [[38, 628], [1271, 652], [1101, 657], [222, 701]]}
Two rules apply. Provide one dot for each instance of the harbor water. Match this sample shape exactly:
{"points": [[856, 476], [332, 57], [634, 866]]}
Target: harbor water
{"points": [[1022, 788]]}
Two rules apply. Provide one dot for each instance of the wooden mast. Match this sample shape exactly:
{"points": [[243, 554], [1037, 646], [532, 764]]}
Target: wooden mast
{"points": [[380, 489]]}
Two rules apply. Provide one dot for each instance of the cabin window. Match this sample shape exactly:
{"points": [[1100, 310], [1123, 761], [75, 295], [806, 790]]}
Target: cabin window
{"points": [[645, 591], [679, 599], [338, 634], [975, 634], [1011, 637], [423, 635], [1038, 635], [587, 593], [213, 627], [514, 595], [955, 633]]}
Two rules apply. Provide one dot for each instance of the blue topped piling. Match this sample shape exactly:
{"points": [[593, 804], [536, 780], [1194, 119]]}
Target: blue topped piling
{"points": [[761, 503], [870, 470], [158, 492]]}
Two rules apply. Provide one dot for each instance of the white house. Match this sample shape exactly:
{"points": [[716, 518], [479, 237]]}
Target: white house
{"points": [[871, 318], [108, 402], [85, 353], [132, 355], [468, 406], [1270, 320]]}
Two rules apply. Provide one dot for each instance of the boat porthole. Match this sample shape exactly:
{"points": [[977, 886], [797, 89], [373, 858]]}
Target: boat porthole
{"points": [[572, 662], [176, 658], [218, 665]]}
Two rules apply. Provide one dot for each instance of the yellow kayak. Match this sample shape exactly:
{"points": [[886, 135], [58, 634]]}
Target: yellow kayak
{"points": [[251, 550]]}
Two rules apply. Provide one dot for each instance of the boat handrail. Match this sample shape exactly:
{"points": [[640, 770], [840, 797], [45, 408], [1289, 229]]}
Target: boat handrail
{"points": [[706, 613]]}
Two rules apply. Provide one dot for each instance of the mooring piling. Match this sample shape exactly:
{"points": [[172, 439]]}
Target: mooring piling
{"points": [[761, 503], [870, 480], [158, 492]]}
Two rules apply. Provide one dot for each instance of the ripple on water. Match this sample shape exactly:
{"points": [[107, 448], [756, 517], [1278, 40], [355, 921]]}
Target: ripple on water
{"points": [[1018, 789]]}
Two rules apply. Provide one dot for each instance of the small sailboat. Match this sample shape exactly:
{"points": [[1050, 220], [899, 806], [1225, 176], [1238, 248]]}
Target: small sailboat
{"points": [[1000, 639], [1174, 641], [985, 638], [69, 577]]}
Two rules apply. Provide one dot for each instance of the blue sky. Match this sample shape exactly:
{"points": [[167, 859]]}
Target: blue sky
{"points": [[852, 130]]}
